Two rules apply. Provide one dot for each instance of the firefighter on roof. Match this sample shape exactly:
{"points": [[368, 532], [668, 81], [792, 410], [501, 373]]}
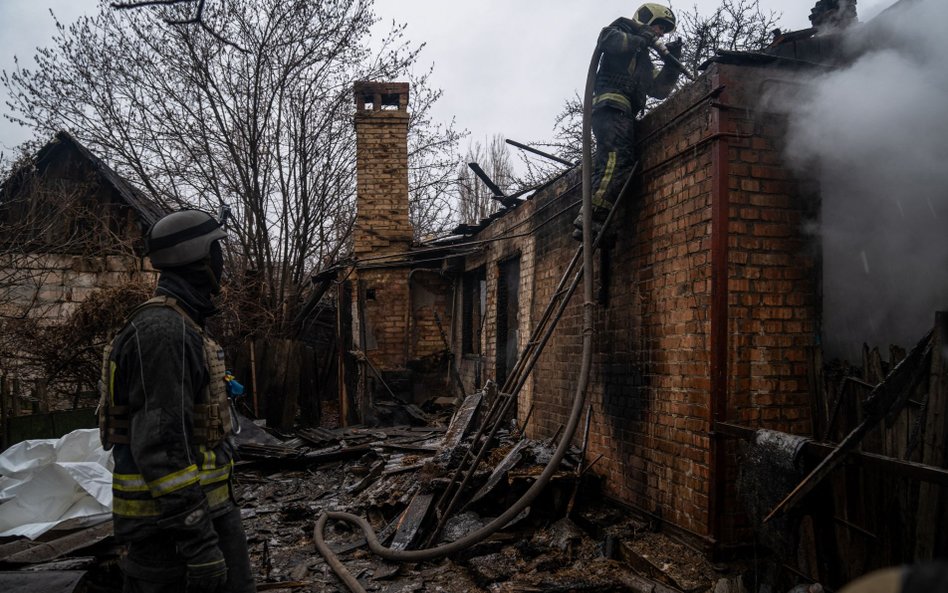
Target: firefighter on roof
{"points": [[624, 80], [164, 411]]}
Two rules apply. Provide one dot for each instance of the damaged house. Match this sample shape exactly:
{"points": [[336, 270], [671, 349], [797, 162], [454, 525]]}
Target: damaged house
{"points": [[708, 369], [733, 407], [71, 228]]}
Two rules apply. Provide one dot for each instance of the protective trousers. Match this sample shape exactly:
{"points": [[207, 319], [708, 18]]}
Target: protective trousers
{"points": [[615, 156], [154, 566]]}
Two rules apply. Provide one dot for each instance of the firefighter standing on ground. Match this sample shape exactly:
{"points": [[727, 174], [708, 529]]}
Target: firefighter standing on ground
{"points": [[165, 412], [625, 78]]}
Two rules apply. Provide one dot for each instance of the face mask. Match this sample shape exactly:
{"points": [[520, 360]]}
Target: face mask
{"points": [[217, 261]]}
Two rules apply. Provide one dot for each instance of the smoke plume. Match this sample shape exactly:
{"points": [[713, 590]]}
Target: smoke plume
{"points": [[875, 133]]}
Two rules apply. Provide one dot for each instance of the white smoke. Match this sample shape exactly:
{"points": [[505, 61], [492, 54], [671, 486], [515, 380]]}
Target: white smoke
{"points": [[876, 135]]}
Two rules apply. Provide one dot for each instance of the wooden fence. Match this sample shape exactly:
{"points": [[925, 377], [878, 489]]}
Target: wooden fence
{"points": [[862, 518]]}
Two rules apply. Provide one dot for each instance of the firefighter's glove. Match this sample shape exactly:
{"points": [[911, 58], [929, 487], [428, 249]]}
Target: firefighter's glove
{"points": [[674, 47], [647, 35]]}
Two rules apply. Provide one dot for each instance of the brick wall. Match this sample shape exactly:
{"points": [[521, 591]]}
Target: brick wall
{"points": [[381, 121], [430, 297], [773, 277], [495, 254], [52, 286], [653, 394], [382, 225], [385, 294]]}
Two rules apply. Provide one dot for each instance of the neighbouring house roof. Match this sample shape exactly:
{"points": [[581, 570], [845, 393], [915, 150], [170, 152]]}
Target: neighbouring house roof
{"points": [[147, 209]]}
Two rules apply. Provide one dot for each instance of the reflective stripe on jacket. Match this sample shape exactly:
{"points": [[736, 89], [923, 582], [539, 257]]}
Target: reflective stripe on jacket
{"points": [[158, 369]]}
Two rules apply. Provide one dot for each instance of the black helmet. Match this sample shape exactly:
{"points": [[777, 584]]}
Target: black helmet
{"points": [[182, 238]]}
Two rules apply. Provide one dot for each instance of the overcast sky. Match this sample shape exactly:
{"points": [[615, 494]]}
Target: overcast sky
{"points": [[506, 66]]}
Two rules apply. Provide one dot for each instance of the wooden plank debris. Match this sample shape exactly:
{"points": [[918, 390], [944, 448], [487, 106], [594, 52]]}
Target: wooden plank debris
{"points": [[374, 473], [929, 528], [411, 520], [460, 424], [512, 458], [47, 551]]}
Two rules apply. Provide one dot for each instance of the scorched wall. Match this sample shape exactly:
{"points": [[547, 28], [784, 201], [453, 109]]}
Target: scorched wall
{"points": [[707, 305]]}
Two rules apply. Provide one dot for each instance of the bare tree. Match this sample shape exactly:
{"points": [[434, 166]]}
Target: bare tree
{"points": [[197, 122], [475, 200], [432, 158], [736, 25], [196, 18]]}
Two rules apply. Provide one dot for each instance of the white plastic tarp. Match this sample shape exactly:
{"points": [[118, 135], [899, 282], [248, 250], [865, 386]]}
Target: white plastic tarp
{"points": [[46, 482]]}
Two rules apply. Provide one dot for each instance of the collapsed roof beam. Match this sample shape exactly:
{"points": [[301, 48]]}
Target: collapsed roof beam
{"points": [[496, 192], [540, 152]]}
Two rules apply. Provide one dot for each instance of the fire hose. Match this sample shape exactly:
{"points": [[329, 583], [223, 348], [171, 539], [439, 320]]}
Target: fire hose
{"points": [[579, 400], [666, 55]]}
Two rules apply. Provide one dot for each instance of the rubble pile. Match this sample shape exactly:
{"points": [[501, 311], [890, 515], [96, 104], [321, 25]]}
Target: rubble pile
{"points": [[568, 539]]}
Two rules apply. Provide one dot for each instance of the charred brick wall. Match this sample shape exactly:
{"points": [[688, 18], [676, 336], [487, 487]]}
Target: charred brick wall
{"points": [[710, 269], [430, 312], [497, 256], [773, 274], [382, 295], [650, 382]]}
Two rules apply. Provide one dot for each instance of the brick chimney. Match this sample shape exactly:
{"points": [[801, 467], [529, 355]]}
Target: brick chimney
{"points": [[381, 120]]}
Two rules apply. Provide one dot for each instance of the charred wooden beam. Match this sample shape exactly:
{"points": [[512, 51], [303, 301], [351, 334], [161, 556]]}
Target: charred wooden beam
{"points": [[511, 459], [498, 194], [460, 424], [885, 399], [47, 551], [540, 152], [411, 520]]}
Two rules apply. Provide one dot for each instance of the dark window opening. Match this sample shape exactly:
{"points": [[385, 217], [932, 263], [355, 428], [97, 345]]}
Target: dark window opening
{"points": [[508, 315], [474, 306]]}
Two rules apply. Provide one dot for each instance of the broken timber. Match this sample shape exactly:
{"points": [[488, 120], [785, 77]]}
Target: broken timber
{"points": [[46, 551], [460, 424], [511, 459], [411, 520], [885, 399]]}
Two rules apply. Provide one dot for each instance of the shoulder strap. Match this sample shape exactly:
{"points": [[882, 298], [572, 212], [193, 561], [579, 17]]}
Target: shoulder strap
{"points": [[170, 303]]}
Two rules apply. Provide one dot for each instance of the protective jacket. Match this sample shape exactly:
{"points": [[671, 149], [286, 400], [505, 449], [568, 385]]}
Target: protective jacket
{"points": [[626, 76], [164, 410]]}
